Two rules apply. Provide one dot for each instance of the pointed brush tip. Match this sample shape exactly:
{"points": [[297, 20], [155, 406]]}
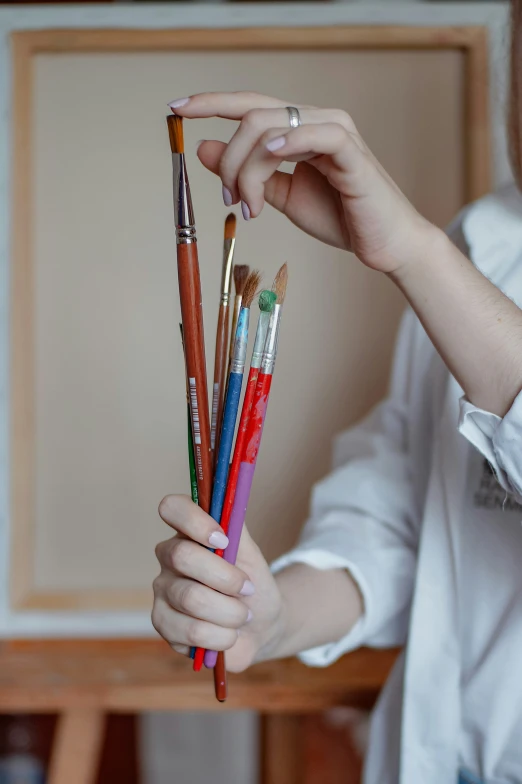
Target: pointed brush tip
{"points": [[280, 283]]}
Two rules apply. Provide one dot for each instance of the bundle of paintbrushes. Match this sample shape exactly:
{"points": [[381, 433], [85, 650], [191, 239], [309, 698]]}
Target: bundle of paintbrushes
{"points": [[221, 472]]}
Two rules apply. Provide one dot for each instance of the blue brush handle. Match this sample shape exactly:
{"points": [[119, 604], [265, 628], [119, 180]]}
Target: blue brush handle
{"points": [[235, 382]]}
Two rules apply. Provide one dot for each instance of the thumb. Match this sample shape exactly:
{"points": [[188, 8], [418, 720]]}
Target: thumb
{"points": [[276, 188]]}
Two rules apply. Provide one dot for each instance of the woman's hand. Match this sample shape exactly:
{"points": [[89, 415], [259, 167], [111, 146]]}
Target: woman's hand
{"points": [[338, 192], [201, 600]]}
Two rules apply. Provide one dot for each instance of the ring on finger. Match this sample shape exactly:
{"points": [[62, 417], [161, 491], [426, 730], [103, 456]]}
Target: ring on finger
{"points": [[294, 117]]}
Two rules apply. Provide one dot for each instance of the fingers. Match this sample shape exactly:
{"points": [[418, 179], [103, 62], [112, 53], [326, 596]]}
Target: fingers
{"points": [[257, 122], [304, 143], [187, 518], [183, 630], [230, 106], [198, 601], [190, 560]]}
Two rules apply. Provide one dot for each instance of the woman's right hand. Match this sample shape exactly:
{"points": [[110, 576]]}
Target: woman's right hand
{"points": [[201, 600]]}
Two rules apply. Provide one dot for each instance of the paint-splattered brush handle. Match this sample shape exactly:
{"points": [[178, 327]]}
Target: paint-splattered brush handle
{"points": [[248, 465], [238, 450], [245, 477]]}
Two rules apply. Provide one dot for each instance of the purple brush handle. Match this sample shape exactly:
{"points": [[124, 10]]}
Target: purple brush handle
{"points": [[235, 527], [238, 513]]}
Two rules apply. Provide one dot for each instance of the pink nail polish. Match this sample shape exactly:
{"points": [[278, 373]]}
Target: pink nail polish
{"points": [[218, 540], [198, 144], [227, 197], [245, 209], [248, 589], [276, 144], [177, 103], [249, 616]]}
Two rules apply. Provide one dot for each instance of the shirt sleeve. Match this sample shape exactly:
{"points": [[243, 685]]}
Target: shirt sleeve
{"points": [[499, 439], [363, 515]]}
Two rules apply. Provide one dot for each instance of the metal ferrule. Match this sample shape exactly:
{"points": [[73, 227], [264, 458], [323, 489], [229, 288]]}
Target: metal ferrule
{"points": [[183, 212], [259, 342], [237, 364], [226, 278], [270, 352]]}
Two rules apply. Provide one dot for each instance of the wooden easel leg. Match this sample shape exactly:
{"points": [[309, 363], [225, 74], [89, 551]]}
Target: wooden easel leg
{"points": [[76, 749], [282, 751]]}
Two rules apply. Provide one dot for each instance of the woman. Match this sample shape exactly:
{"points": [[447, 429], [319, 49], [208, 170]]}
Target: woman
{"points": [[415, 538]]}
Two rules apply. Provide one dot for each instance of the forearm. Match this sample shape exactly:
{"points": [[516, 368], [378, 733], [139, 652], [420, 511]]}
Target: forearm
{"points": [[318, 607], [476, 329]]}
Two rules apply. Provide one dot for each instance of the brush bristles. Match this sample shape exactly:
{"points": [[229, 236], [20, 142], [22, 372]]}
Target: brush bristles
{"points": [[251, 288], [267, 300], [175, 126], [279, 285], [240, 275], [230, 227]]}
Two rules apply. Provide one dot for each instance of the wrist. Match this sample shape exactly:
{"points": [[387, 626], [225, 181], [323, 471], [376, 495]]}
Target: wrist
{"points": [[430, 247], [271, 643]]}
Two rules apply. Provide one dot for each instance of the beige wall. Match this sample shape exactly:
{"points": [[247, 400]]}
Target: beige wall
{"points": [[110, 405]]}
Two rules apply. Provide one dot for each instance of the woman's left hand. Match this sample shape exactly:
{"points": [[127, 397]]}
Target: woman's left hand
{"points": [[338, 191]]}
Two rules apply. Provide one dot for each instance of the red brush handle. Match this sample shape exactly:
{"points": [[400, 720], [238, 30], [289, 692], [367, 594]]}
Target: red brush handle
{"points": [[238, 450]]}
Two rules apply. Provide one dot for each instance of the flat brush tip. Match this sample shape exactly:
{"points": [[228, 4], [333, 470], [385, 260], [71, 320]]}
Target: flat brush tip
{"points": [[279, 285], [175, 126], [230, 226], [240, 275]]}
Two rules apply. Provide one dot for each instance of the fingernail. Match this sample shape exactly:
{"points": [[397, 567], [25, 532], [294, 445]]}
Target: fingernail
{"points": [[245, 209], [249, 616], [248, 589], [218, 540], [227, 197], [177, 103], [198, 144], [276, 144]]}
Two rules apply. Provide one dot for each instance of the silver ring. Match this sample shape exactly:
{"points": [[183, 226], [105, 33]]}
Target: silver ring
{"points": [[294, 117]]}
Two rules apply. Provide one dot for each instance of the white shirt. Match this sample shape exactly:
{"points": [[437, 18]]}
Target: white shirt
{"points": [[435, 545]]}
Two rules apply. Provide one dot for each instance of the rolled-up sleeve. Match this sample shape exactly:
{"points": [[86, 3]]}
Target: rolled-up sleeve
{"points": [[363, 517], [499, 439]]}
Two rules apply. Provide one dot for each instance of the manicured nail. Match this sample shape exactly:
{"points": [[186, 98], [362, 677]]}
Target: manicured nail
{"points": [[249, 616], [227, 197], [218, 540], [276, 144], [248, 589], [245, 209], [198, 144], [177, 103]]}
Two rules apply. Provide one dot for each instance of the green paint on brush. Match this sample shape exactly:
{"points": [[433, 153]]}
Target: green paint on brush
{"points": [[267, 300]]}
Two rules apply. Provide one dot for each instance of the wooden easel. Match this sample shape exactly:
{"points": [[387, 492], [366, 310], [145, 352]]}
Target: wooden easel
{"points": [[83, 680]]}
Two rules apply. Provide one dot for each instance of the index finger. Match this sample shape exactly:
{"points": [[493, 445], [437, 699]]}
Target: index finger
{"points": [[188, 519], [229, 106]]}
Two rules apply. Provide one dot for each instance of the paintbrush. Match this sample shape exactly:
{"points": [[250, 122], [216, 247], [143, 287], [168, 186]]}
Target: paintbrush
{"points": [[222, 339], [191, 312], [234, 385], [192, 320], [240, 274], [267, 300], [256, 421]]}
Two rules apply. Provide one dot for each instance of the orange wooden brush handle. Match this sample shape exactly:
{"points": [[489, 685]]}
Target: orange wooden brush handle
{"points": [[192, 318], [220, 367]]}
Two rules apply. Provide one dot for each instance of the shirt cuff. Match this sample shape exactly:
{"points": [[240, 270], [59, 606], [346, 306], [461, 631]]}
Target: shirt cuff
{"points": [[324, 560], [498, 440]]}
